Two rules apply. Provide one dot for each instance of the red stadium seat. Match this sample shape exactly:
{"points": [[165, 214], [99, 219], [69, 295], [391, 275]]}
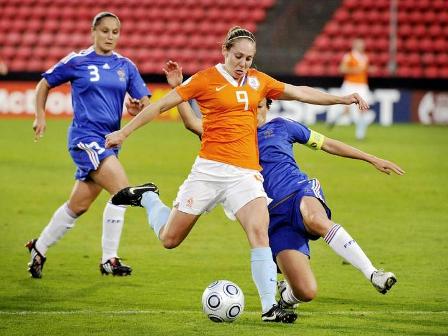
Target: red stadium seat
{"points": [[29, 39], [442, 60], [419, 31], [428, 59], [341, 15], [331, 29], [405, 30], [431, 72], [443, 73], [411, 44], [348, 30], [321, 43], [17, 65], [435, 31], [13, 39], [441, 45], [429, 17]]}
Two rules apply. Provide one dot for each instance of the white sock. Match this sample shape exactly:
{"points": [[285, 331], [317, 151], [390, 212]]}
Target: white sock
{"points": [[361, 126], [346, 247], [63, 220], [264, 274], [288, 296], [113, 219]]}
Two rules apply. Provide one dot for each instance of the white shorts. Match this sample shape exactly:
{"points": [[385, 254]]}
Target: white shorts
{"points": [[367, 117], [362, 89], [211, 182]]}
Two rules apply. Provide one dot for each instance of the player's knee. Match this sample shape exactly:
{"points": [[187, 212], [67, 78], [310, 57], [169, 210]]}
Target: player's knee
{"points": [[317, 224], [170, 242], [79, 209], [307, 293]]}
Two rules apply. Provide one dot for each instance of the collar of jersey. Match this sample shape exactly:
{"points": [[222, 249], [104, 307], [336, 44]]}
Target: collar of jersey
{"points": [[228, 77]]}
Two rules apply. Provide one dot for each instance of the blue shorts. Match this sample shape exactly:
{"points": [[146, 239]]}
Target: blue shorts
{"points": [[286, 228], [88, 154]]}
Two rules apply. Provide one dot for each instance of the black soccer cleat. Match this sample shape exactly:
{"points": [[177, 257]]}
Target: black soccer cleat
{"points": [[133, 195], [36, 264], [115, 267], [279, 314]]}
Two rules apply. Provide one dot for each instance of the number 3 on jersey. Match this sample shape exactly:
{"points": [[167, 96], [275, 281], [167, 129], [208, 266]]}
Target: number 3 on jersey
{"points": [[95, 76], [242, 97]]}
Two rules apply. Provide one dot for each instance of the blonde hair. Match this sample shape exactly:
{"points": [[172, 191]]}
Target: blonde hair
{"points": [[235, 33]]}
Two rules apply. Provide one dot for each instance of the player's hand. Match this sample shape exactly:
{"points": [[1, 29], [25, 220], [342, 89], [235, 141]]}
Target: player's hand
{"points": [[134, 106], [387, 166], [39, 127], [355, 98], [173, 73], [114, 139]]}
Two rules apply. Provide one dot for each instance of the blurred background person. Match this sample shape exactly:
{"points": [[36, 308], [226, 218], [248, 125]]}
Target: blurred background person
{"points": [[354, 66]]}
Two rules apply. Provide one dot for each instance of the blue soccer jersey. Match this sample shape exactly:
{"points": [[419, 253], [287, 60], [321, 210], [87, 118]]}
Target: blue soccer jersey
{"points": [[98, 84], [282, 175]]}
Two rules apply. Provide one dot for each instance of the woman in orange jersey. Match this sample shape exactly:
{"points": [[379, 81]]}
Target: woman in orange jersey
{"points": [[227, 169], [354, 66]]}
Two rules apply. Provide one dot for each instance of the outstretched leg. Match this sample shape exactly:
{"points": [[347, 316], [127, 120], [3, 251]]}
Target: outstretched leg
{"points": [[317, 223]]}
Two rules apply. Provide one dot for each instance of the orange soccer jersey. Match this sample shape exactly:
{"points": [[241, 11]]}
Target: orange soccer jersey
{"points": [[356, 60], [229, 112]]}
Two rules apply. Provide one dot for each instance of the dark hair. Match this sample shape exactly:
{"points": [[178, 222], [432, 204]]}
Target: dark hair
{"points": [[268, 103], [97, 19], [235, 33]]}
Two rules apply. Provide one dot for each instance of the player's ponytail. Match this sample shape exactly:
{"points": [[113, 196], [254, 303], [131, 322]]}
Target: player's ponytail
{"points": [[235, 33]]}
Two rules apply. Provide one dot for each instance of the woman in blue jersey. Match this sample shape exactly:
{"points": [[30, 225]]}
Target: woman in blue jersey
{"points": [[298, 211], [99, 79]]}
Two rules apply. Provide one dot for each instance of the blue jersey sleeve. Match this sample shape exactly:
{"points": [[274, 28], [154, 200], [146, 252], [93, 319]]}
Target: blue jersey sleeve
{"points": [[136, 86], [60, 73], [297, 132]]}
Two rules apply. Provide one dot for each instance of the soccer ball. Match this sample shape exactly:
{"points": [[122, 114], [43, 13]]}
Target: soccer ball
{"points": [[223, 301]]}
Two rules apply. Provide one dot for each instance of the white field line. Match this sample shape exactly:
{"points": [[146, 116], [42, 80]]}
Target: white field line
{"points": [[155, 311]]}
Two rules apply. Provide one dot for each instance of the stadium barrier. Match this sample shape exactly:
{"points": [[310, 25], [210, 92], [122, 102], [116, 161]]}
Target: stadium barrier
{"points": [[389, 105]]}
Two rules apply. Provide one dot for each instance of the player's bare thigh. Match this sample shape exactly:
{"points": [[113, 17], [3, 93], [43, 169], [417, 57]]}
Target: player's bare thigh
{"points": [[314, 216], [110, 175], [254, 218]]}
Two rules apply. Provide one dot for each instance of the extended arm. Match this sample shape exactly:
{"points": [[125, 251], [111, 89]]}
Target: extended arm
{"points": [[39, 124], [145, 116], [339, 148], [309, 95]]}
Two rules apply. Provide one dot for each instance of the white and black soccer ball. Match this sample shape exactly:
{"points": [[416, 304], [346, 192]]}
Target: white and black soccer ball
{"points": [[223, 301]]}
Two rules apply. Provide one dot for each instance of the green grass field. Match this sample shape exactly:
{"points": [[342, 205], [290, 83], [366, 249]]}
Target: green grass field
{"points": [[400, 222]]}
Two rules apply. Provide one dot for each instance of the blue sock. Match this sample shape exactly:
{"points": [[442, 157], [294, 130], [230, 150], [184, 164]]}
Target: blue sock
{"points": [[264, 274], [158, 212]]}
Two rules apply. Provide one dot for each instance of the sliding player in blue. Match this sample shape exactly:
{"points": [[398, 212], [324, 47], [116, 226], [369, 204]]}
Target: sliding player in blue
{"points": [[299, 213]]}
